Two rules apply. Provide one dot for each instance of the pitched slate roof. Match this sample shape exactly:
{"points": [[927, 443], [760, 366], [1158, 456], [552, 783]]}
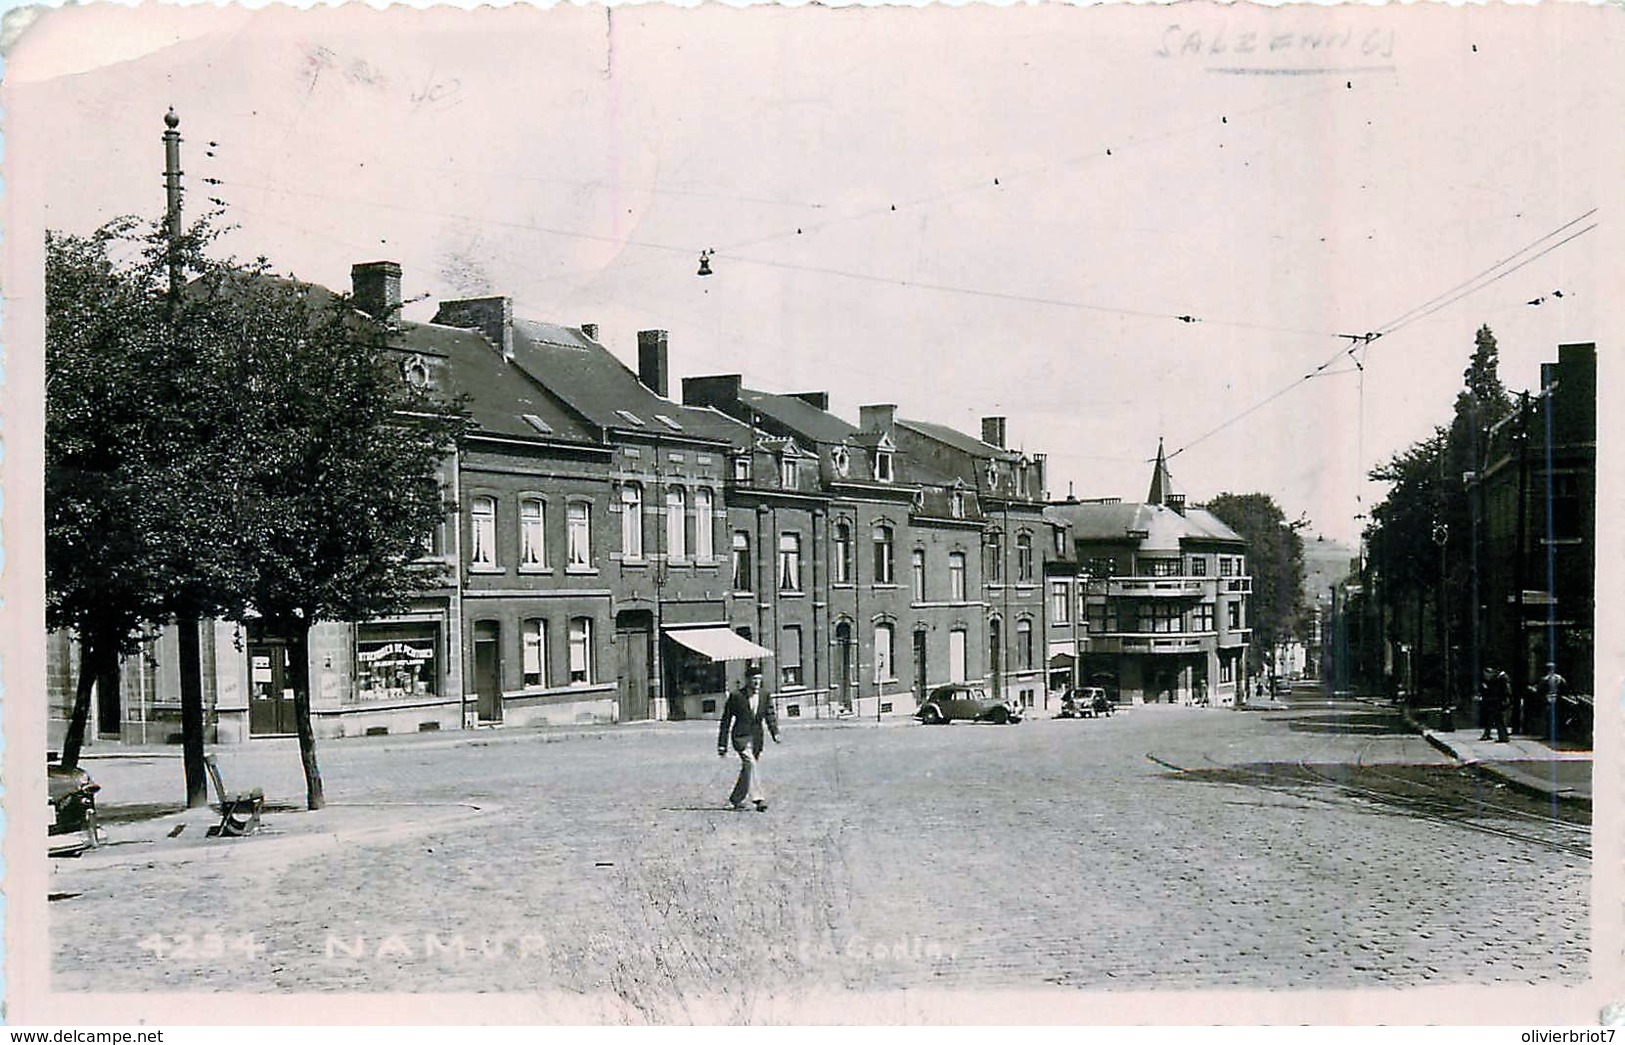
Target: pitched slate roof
{"points": [[1163, 527], [798, 415], [958, 440], [601, 389], [499, 394]]}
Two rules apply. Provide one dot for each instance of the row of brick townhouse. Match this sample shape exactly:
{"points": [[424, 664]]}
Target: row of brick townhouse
{"points": [[618, 555], [1538, 542]]}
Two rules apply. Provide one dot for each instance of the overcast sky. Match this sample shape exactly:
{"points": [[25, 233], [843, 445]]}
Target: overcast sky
{"points": [[960, 211]]}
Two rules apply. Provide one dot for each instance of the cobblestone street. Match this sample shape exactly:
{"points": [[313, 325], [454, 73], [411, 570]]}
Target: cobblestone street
{"points": [[1072, 853]]}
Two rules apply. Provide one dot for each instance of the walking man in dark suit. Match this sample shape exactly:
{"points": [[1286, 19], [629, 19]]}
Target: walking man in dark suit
{"points": [[747, 711], [1496, 695]]}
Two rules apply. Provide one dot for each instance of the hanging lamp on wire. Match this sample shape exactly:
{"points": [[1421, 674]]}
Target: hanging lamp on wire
{"points": [[705, 262]]}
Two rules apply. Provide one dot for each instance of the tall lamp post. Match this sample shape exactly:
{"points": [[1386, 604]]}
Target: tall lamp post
{"points": [[1447, 713]]}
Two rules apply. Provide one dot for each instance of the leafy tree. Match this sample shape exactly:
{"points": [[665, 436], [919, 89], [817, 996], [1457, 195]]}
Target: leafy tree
{"points": [[139, 438], [1423, 526], [104, 570], [336, 473], [1275, 552], [242, 448]]}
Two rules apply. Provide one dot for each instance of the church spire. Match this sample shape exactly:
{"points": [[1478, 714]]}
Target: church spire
{"points": [[1162, 485]]}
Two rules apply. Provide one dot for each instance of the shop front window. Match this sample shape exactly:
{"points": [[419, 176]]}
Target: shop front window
{"points": [[397, 662]]}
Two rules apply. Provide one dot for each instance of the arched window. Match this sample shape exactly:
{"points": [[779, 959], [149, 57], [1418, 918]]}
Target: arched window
{"points": [[790, 562], [578, 528], [884, 572], [1024, 558], [1024, 644], [884, 670], [482, 549], [842, 566], [632, 521], [741, 557], [532, 532], [580, 651], [705, 545], [534, 654], [676, 523]]}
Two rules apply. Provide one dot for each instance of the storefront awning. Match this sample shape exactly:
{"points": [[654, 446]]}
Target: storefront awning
{"points": [[718, 643]]}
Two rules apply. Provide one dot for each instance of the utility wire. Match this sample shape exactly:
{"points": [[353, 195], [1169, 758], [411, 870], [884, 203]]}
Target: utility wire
{"points": [[1405, 317], [1363, 342], [842, 273]]}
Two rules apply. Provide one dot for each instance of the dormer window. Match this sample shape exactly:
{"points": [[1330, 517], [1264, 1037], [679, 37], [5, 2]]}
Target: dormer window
{"points": [[841, 461], [956, 504], [992, 475], [742, 468], [883, 466], [416, 372], [788, 477]]}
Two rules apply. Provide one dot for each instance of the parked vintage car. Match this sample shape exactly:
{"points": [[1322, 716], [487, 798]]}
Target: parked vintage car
{"points": [[72, 795], [965, 702], [1087, 702]]}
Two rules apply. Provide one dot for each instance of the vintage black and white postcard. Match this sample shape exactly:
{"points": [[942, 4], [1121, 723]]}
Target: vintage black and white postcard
{"points": [[805, 514]]}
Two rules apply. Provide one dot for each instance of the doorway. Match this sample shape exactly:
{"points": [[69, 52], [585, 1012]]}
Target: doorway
{"points": [[846, 664], [634, 629], [919, 666], [270, 698], [488, 670], [995, 656]]}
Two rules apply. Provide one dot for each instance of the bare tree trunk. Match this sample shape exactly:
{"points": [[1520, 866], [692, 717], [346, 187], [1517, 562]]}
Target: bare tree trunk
{"points": [[79, 720], [191, 669], [299, 665]]}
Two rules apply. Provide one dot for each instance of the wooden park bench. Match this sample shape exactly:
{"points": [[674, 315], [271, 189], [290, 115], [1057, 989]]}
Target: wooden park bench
{"points": [[239, 810]]}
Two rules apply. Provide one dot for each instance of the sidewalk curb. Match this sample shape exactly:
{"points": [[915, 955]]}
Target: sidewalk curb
{"points": [[1520, 782]]}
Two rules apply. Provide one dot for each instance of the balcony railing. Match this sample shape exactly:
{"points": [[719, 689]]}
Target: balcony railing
{"points": [[1238, 584], [1151, 642], [1144, 586]]}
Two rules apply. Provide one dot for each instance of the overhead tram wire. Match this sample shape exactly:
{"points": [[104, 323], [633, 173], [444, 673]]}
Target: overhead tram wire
{"points": [[845, 274], [1432, 305], [967, 187], [1404, 318], [1473, 290]]}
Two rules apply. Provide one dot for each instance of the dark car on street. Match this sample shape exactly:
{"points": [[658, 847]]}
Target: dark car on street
{"points": [[72, 795], [959, 701]]}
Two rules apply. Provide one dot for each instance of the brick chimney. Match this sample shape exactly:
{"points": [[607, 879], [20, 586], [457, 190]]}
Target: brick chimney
{"points": [[652, 362], [993, 431], [877, 417], [375, 287], [492, 317], [818, 399], [718, 390]]}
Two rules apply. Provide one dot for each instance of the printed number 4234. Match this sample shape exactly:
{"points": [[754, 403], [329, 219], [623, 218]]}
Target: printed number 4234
{"points": [[186, 947]]}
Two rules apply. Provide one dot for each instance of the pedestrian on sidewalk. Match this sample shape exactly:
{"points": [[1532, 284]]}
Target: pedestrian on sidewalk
{"points": [[1496, 695], [749, 709]]}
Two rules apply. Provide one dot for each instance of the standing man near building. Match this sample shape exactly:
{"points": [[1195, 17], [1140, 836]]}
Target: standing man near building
{"points": [[1497, 694], [747, 711]]}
